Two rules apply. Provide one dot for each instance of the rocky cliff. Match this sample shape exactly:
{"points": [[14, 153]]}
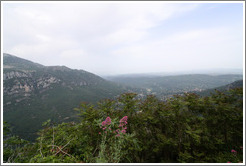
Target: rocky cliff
{"points": [[22, 78], [33, 93]]}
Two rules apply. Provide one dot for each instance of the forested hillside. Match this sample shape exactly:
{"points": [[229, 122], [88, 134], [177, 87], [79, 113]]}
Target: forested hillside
{"points": [[185, 128], [165, 86], [33, 93], [225, 88]]}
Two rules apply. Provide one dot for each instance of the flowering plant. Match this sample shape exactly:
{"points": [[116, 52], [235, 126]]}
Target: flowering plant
{"points": [[113, 136], [237, 155]]}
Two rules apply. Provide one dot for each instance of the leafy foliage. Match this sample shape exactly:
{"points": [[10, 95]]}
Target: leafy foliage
{"points": [[185, 128]]}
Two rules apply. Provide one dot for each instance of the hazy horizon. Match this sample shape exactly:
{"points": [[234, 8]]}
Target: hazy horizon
{"points": [[185, 72], [214, 71], [118, 38]]}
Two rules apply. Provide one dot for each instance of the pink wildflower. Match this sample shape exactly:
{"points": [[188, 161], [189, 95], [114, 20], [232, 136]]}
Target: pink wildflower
{"points": [[108, 120], [103, 123], [117, 135], [124, 119], [233, 151], [228, 162], [122, 125], [123, 131], [99, 133]]}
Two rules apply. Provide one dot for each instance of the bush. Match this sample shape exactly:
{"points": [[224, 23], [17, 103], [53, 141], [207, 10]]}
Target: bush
{"points": [[186, 128]]}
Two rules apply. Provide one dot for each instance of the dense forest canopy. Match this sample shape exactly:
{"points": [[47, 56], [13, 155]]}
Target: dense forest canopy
{"points": [[185, 128]]}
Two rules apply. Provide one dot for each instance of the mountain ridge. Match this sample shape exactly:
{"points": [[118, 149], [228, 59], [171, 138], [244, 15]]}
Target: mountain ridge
{"points": [[225, 88], [165, 86], [34, 93]]}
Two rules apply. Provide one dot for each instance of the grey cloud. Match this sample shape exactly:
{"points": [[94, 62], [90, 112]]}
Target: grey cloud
{"points": [[113, 38]]}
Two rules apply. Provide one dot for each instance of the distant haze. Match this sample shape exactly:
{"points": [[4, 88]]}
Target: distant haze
{"points": [[109, 38]]}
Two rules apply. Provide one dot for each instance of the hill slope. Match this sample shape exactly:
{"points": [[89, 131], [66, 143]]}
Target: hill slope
{"points": [[33, 93], [164, 86], [224, 89]]}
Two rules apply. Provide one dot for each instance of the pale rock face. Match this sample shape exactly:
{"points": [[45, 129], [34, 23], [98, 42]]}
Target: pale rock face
{"points": [[83, 83], [23, 85], [15, 74], [17, 88], [27, 88], [46, 82]]}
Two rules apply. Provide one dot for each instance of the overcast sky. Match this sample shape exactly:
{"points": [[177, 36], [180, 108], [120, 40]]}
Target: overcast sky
{"points": [[126, 37]]}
